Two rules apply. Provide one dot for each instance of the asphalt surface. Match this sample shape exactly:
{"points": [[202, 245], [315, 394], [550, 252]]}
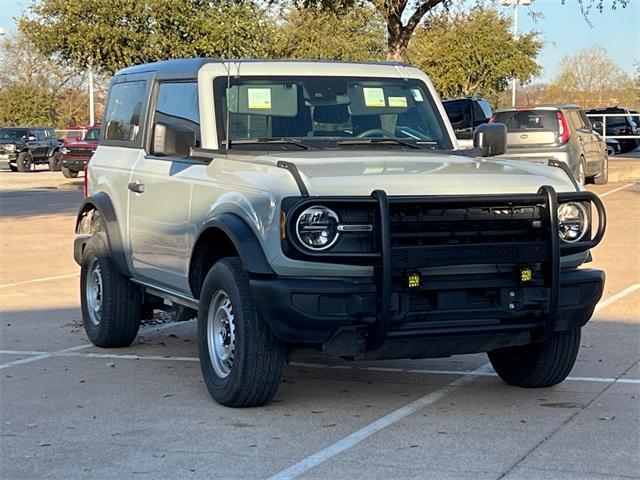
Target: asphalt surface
{"points": [[70, 410]]}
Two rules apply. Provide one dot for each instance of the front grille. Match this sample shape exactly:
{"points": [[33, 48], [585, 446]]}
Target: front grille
{"points": [[80, 151], [424, 225]]}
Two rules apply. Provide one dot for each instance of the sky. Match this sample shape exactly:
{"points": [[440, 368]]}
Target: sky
{"points": [[562, 27]]}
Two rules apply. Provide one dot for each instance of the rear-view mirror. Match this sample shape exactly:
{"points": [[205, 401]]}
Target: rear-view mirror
{"points": [[491, 139]]}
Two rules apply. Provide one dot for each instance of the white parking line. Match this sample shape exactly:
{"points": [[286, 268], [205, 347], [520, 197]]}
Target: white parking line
{"points": [[618, 296], [419, 371], [38, 280], [365, 432], [611, 192], [68, 351], [44, 356]]}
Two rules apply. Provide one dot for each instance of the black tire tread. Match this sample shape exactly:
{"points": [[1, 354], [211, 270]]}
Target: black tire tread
{"points": [[260, 357], [121, 308], [20, 162], [538, 365]]}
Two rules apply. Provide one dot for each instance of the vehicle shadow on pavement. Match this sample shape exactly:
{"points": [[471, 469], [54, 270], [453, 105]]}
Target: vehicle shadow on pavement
{"points": [[37, 202]]}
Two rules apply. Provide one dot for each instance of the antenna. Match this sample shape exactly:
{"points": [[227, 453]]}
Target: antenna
{"points": [[228, 139]]}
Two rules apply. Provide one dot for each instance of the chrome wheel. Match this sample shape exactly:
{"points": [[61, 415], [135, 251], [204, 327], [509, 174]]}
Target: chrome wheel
{"points": [[221, 333], [94, 292]]}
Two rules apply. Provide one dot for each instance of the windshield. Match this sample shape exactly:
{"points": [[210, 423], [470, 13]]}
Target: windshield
{"points": [[329, 112], [13, 134], [93, 134]]}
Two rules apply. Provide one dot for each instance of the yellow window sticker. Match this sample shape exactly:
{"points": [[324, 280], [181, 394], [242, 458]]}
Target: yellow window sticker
{"points": [[400, 102], [374, 97], [417, 95], [259, 97]]}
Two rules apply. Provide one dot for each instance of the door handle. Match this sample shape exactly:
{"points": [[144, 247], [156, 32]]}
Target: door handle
{"points": [[136, 187]]}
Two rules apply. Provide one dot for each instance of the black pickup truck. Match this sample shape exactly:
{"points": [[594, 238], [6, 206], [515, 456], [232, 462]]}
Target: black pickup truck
{"points": [[23, 147]]}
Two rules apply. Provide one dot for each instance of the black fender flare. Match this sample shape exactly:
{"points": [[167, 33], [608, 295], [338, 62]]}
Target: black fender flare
{"points": [[244, 240], [102, 203]]}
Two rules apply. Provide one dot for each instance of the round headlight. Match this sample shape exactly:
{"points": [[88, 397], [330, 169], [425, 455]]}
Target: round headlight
{"points": [[572, 221], [317, 227], [64, 150]]}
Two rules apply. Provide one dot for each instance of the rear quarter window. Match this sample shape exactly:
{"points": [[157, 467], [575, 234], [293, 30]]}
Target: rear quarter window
{"points": [[125, 112]]}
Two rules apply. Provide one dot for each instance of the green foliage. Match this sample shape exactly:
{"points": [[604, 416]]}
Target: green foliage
{"points": [[26, 104], [112, 34], [473, 52], [327, 34]]}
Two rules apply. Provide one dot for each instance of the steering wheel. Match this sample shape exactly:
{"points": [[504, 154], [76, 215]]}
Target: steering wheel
{"points": [[375, 132]]}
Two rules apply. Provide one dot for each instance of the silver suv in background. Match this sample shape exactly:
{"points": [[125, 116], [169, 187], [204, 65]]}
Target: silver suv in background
{"points": [[560, 132]]}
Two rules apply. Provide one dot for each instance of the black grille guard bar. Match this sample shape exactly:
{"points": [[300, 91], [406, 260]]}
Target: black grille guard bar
{"points": [[379, 331]]}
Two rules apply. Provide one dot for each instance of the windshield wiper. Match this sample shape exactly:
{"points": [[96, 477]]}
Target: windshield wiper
{"points": [[378, 141], [271, 141]]}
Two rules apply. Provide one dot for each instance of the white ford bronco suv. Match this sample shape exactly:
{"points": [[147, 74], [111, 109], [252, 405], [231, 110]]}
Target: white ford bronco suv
{"points": [[326, 205]]}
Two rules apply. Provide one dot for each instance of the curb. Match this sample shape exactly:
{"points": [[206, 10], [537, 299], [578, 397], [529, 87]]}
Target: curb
{"points": [[622, 169]]}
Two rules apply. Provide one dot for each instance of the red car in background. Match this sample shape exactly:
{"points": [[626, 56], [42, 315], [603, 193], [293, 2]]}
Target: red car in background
{"points": [[76, 153]]}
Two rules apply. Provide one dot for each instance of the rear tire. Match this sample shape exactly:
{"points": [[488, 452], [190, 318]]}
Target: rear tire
{"points": [[538, 364], [603, 177], [55, 162], [581, 170], [241, 360], [24, 162], [111, 304], [68, 173]]}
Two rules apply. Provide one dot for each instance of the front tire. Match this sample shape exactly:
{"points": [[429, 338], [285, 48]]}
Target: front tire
{"points": [[55, 162], [24, 162], [68, 173], [240, 358], [603, 177], [538, 364], [111, 304]]}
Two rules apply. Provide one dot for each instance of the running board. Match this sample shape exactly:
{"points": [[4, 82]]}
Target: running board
{"points": [[175, 297]]}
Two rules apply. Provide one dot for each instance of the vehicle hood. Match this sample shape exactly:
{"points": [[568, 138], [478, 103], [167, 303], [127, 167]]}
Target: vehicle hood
{"points": [[82, 143], [417, 173], [8, 141]]}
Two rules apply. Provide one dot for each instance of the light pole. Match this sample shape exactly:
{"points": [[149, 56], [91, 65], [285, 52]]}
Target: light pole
{"points": [[91, 106], [515, 4]]}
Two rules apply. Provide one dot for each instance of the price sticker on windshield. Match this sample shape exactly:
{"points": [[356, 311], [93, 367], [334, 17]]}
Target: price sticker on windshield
{"points": [[374, 97], [259, 98], [398, 102], [417, 95]]}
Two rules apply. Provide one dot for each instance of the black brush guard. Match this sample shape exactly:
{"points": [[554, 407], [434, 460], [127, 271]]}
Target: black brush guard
{"points": [[546, 253]]}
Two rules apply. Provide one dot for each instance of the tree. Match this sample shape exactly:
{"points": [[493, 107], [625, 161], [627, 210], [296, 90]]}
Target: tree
{"points": [[590, 78], [355, 34], [473, 52], [402, 17], [111, 34], [26, 104]]}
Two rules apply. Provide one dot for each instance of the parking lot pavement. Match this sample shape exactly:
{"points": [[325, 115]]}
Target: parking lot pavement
{"points": [[71, 410]]}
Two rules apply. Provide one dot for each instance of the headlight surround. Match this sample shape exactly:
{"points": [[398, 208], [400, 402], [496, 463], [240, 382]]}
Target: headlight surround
{"points": [[11, 147], [573, 221], [317, 228], [64, 150]]}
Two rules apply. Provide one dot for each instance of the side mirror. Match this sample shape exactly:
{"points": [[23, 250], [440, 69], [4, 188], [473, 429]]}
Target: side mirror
{"points": [[597, 126], [170, 140], [491, 139]]}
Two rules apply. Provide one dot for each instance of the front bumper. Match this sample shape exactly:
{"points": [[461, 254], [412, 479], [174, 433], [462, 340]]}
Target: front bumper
{"points": [[313, 310], [6, 159], [75, 163]]}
